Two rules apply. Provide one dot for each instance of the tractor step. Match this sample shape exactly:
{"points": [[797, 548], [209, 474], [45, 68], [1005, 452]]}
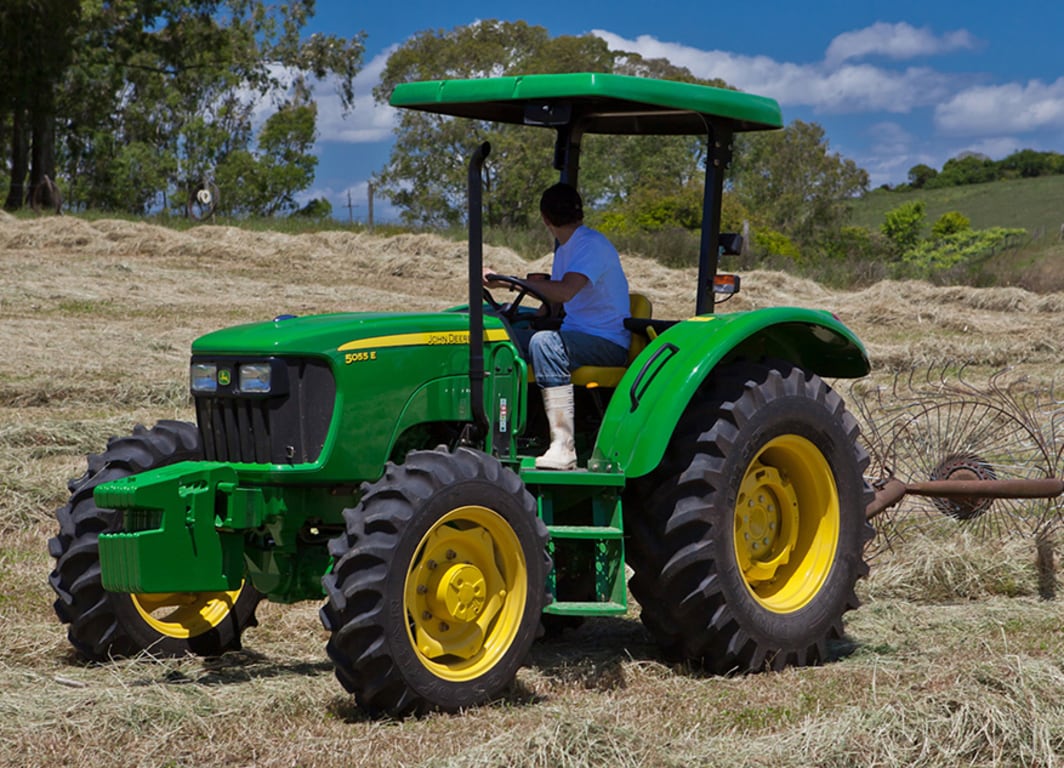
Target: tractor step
{"points": [[586, 609], [584, 532], [532, 476], [582, 512]]}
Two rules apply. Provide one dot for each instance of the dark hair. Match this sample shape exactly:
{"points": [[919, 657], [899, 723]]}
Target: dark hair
{"points": [[561, 204]]}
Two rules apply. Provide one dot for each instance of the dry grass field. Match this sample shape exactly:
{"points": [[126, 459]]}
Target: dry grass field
{"points": [[952, 660]]}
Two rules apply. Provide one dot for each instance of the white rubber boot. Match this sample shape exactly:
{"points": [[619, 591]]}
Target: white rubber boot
{"points": [[558, 402]]}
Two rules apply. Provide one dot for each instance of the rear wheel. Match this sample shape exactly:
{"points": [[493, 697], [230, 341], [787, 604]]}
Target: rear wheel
{"points": [[105, 624], [438, 584], [754, 539]]}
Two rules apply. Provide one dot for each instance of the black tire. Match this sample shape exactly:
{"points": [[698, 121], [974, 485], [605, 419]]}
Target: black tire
{"points": [[106, 624], [780, 444], [397, 634]]}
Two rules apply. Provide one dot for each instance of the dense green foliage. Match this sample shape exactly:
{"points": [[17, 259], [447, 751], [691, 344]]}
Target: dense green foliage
{"points": [[950, 223], [975, 168], [967, 248], [794, 182], [142, 99], [902, 225], [953, 245]]}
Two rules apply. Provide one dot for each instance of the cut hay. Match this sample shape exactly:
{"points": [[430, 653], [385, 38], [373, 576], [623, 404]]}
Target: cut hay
{"points": [[952, 660]]}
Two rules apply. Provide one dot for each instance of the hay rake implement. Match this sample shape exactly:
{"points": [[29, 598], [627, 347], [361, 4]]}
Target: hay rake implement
{"points": [[950, 451]]}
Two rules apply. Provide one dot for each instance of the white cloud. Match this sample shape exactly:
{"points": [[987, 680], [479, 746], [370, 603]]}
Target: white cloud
{"points": [[847, 88], [865, 88], [995, 147], [1000, 109], [890, 136], [892, 151], [895, 41], [368, 121]]}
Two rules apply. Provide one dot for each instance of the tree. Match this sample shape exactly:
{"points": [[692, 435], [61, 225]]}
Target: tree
{"points": [[154, 94], [1028, 163], [317, 209], [950, 223], [920, 174], [35, 49], [794, 182], [264, 183], [426, 171], [903, 224], [965, 168]]}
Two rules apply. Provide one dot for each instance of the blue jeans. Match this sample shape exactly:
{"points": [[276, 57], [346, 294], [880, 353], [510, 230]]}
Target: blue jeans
{"points": [[555, 354]]}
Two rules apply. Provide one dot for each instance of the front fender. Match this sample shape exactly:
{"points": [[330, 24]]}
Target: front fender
{"points": [[660, 382]]}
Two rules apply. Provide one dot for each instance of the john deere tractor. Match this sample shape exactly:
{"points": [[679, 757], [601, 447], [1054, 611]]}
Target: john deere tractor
{"points": [[382, 462]]}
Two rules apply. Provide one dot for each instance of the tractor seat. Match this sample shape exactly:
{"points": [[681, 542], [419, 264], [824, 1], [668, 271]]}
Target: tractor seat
{"points": [[592, 376]]}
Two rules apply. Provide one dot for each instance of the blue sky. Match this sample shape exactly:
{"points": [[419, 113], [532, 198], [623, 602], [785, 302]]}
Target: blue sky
{"points": [[894, 84]]}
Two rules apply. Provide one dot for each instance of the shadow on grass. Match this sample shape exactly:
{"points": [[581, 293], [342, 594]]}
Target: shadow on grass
{"points": [[593, 654], [231, 668], [347, 710], [244, 666], [590, 654]]}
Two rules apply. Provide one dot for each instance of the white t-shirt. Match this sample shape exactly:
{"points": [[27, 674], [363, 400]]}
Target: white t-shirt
{"points": [[601, 306]]}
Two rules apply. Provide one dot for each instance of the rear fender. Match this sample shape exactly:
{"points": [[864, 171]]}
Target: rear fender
{"points": [[662, 380]]}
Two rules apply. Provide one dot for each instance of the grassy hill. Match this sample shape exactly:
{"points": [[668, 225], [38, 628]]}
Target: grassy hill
{"points": [[1036, 205]]}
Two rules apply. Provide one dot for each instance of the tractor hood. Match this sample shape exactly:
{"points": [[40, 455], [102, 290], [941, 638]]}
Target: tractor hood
{"points": [[288, 395], [335, 335]]}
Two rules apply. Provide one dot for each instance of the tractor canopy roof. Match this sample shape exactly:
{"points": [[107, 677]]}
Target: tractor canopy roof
{"points": [[594, 102]]}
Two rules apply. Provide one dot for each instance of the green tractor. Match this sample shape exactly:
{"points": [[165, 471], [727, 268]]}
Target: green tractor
{"points": [[384, 462]]}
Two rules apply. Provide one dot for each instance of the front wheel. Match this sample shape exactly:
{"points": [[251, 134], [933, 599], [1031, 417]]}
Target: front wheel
{"points": [[757, 538], [104, 624], [438, 584]]}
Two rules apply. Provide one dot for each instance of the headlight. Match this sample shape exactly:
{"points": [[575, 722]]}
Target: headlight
{"points": [[255, 378], [204, 377]]}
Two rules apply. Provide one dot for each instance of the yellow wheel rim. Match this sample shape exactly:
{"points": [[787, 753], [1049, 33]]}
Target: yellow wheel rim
{"points": [[185, 614], [465, 593], [786, 523]]}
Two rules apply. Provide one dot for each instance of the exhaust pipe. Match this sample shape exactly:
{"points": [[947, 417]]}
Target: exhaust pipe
{"points": [[476, 300]]}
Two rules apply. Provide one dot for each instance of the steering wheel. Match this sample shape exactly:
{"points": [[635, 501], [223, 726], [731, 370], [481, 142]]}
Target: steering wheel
{"points": [[509, 310]]}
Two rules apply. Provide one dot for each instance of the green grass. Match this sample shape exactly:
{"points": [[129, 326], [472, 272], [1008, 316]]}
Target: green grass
{"points": [[1036, 205]]}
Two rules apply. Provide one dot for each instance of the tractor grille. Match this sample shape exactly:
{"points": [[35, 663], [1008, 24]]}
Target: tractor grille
{"points": [[286, 428]]}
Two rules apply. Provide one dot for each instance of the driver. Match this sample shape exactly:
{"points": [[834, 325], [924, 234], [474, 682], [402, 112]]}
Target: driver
{"points": [[588, 279]]}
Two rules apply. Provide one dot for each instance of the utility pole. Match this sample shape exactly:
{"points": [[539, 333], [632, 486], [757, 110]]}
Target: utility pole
{"points": [[350, 209], [369, 191]]}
